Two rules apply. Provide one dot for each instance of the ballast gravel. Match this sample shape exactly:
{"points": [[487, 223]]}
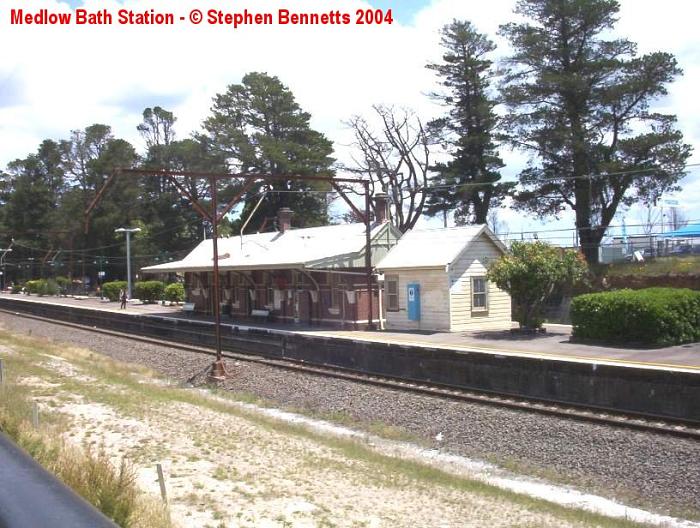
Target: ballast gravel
{"points": [[643, 469]]}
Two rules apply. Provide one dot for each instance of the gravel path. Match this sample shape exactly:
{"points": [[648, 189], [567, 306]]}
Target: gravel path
{"points": [[644, 469]]}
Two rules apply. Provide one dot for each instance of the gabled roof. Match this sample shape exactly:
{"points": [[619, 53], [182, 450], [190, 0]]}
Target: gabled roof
{"points": [[435, 248], [295, 248]]}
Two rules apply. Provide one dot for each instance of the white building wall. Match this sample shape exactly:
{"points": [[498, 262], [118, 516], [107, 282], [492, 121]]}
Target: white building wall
{"points": [[473, 262], [433, 300]]}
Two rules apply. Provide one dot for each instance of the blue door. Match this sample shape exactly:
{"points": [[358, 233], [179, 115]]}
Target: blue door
{"points": [[413, 301]]}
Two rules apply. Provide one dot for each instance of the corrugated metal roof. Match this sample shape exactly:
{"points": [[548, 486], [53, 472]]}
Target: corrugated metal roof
{"points": [[433, 248], [293, 248], [688, 231]]}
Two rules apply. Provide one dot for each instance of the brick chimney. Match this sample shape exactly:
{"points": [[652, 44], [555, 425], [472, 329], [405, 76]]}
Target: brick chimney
{"points": [[284, 219], [381, 204]]}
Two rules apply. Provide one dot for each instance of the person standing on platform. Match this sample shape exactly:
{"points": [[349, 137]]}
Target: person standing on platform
{"points": [[122, 298]]}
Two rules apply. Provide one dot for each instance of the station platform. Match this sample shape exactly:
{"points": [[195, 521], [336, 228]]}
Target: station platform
{"points": [[554, 344], [661, 383]]}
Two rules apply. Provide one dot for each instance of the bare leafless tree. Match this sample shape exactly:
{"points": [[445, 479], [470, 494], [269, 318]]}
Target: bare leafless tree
{"points": [[650, 219], [396, 160], [498, 226]]}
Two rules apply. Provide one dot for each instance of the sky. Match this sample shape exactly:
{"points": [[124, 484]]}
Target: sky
{"points": [[54, 79]]}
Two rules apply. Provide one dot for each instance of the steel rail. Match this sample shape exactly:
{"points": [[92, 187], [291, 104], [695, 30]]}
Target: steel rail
{"points": [[591, 414]]}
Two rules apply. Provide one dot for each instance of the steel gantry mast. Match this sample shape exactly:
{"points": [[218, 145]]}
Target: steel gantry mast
{"points": [[217, 371]]}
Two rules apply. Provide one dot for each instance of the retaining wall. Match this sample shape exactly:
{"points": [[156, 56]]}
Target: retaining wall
{"points": [[656, 392]]}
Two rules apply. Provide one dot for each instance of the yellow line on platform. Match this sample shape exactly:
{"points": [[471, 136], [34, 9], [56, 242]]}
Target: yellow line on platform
{"points": [[455, 347]]}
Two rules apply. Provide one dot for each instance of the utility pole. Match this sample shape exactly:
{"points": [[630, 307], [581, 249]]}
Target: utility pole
{"points": [[128, 232], [2, 263]]}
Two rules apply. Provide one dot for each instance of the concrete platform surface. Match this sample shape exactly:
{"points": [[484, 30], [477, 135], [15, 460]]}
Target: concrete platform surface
{"points": [[555, 344]]}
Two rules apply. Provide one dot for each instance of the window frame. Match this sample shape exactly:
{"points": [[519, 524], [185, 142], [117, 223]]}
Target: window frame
{"points": [[337, 298], [391, 307], [474, 293]]}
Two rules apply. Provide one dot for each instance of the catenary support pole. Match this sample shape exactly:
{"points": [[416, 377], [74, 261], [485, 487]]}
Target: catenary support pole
{"points": [[368, 255], [218, 372]]}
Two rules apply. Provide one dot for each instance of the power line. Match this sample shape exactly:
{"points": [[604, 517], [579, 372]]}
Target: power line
{"points": [[552, 179]]}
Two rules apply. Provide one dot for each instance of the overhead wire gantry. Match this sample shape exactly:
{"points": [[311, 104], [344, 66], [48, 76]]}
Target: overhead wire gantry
{"points": [[213, 215]]}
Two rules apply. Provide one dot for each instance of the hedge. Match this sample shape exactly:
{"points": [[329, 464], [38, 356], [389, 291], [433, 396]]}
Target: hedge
{"points": [[32, 286], [42, 287], [111, 289], [175, 292], [149, 291], [653, 316]]}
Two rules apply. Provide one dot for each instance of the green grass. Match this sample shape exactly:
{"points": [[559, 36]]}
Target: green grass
{"points": [[688, 265], [121, 386]]}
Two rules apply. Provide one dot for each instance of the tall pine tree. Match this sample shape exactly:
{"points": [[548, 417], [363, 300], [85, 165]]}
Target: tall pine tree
{"points": [[580, 105], [467, 184]]}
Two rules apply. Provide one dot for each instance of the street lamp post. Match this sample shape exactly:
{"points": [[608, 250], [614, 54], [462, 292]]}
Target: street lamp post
{"points": [[128, 232]]}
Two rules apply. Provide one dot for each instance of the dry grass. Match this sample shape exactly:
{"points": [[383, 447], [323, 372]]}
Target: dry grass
{"points": [[687, 265], [90, 474], [121, 387]]}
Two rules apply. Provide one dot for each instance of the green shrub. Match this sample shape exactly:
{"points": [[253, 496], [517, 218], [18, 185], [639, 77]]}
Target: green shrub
{"points": [[654, 316], [149, 291], [175, 292], [41, 287], [111, 289], [17, 288], [48, 287], [63, 284], [531, 272], [33, 286]]}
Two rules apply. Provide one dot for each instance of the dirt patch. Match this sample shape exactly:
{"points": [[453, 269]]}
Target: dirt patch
{"points": [[65, 368], [223, 468], [233, 464]]}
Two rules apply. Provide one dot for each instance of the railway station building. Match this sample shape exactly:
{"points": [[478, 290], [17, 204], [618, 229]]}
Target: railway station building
{"points": [[311, 276], [435, 279]]}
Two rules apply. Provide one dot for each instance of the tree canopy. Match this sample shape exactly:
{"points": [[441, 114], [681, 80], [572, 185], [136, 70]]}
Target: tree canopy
{"points": [[259, 128], [466, 185], [396, 161], [579, 103], [255, 127]]}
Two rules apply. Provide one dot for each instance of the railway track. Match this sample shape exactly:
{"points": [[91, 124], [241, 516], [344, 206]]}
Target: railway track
{"points": [[658, 425]]}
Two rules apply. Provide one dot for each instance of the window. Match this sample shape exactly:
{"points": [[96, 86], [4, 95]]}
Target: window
{"points": [[297, 279], [479, 294], [391, 283], [337, 296], [234, 294]]}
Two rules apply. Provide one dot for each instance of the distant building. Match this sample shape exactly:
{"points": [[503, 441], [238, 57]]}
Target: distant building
{"points": [[435, 279]]}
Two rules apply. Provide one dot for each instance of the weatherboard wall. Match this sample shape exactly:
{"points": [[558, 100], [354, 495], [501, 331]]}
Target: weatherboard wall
{"points": [[434, 304], [473, 262]]}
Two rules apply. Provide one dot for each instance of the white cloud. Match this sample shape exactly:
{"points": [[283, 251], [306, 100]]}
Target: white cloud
{"points": [[54, 79]]}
